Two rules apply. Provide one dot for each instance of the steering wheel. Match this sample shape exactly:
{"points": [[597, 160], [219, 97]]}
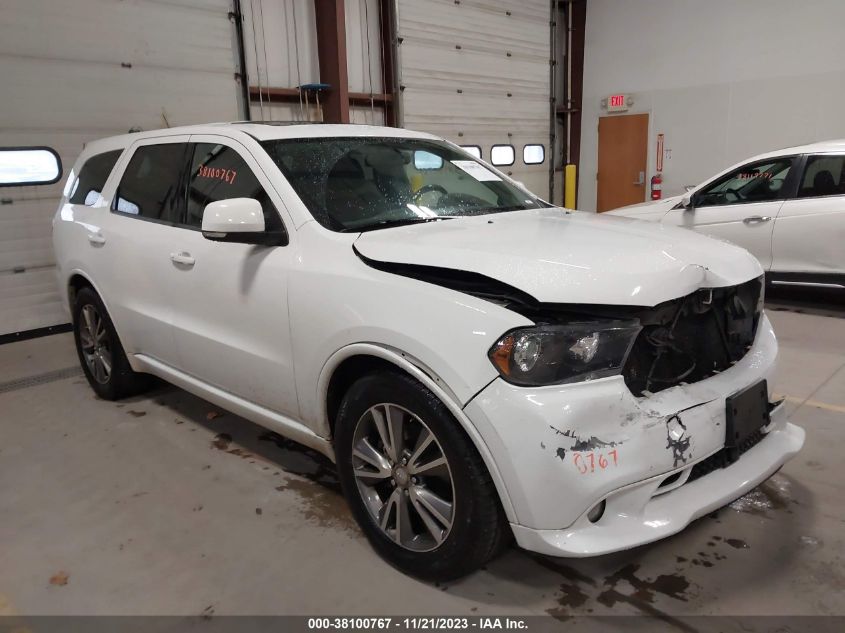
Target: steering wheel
{"points": [[419, 193], [733, 192]]}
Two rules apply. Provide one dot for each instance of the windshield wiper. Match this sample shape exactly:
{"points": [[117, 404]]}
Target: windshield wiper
{"points": [[389, 224], [515, 207]]}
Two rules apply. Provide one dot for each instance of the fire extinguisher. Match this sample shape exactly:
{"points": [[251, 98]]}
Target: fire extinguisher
{"points": [[656, 187]]}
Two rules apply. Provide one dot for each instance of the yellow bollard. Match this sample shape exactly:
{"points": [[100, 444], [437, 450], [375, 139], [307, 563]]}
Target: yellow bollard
{"points": [[569, 179]]}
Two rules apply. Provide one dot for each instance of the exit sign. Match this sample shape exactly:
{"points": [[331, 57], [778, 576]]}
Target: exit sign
{"points": [[617, 103]]}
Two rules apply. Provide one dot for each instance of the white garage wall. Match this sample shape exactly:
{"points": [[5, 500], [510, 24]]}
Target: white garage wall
{"points": [[722, 79], [459, 63], [75, 71]]}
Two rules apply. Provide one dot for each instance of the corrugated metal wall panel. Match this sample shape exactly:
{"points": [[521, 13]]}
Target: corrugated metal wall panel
{"points": [[477, 73], [363, 46], [73, 72], [281, 51]]}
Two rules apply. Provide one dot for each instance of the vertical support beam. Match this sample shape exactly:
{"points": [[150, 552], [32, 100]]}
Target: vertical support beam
{"points": [[579, 27], [237, 17], [331, 52], [553, 15], [573, 54], [389, 62]]}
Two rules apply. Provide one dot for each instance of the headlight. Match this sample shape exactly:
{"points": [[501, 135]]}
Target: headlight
{"points": [[555, 354]]}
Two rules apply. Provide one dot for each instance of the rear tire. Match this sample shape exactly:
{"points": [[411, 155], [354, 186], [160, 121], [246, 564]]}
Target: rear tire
{"points": [[100, 352], [435, 522]]}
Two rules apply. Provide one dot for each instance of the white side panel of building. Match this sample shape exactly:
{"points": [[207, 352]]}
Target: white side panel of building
{"points": [[723, 80], [76, 71], [477, 73]]}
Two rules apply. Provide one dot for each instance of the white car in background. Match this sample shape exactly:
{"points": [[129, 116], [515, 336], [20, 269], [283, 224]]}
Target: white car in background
{"points": [[478, 363], [786, 207]]}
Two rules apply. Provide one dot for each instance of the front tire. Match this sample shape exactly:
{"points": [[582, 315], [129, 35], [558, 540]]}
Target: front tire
{"points": [[414, 481], [100, 352]]}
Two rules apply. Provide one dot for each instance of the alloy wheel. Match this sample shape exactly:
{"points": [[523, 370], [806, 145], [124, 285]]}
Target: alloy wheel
{"points": [[403, 477], [96, 344]]}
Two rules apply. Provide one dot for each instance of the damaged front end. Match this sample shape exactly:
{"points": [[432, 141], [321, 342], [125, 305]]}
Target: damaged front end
{"points": [[593, 468], [627, 457], [609, 422], [677, 342], [694, 337], [680, 341]]}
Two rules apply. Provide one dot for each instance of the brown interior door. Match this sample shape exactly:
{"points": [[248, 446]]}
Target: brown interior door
{"points": [[623, 154]]}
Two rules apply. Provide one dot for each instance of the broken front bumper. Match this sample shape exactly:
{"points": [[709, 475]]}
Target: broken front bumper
{"points": [[561, 450]]}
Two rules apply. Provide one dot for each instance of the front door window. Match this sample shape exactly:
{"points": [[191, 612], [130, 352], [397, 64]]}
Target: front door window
{"points": [[762, 181]]}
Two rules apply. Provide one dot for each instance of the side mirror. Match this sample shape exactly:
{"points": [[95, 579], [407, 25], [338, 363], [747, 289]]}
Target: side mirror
{"points": [[238, 220], [686, 201]]}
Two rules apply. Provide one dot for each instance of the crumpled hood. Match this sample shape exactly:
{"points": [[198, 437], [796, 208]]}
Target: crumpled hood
{"points": [[560, 257]]}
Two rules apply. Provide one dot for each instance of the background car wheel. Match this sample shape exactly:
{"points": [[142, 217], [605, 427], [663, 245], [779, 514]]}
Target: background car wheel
{"points": [[100, 352], [414, 481]]}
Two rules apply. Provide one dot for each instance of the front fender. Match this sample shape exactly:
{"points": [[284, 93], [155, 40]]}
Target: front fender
{"points": [[444, 331], [433, 383]]}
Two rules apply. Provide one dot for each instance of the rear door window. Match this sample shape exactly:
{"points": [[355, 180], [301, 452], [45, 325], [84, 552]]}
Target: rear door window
{"points": [[153, 185], [218, 172], [824, 175], [93, 175]]}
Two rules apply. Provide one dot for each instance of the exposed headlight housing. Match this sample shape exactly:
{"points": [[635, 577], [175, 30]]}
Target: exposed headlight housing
{"points": [[558, 354]]}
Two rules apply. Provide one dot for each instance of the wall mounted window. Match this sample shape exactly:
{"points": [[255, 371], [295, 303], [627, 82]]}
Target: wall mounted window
{"points": [[93, 175], [426, 160], [502, 155], [533, 154], [472, 150], [25, 166]]}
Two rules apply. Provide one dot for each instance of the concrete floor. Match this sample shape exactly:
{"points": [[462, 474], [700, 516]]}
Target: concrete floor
{"points": [[165, 505]]}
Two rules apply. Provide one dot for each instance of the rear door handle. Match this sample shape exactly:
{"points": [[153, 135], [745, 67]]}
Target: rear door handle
{"points": [[756, 219], [182, 258], [96, 239]]}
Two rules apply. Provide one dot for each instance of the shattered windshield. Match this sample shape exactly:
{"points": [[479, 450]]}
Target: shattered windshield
{"points": [[365, 183]]}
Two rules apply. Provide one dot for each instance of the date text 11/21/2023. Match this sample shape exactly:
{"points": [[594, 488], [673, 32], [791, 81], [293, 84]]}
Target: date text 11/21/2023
{"points": [[431, 623]]}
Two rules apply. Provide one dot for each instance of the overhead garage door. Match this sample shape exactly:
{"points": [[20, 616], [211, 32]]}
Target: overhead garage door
{"points": [[477, 72], [75, 71]]}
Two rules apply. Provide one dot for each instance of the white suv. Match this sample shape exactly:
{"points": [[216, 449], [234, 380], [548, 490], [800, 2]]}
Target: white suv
{"points": [[477, 362]]}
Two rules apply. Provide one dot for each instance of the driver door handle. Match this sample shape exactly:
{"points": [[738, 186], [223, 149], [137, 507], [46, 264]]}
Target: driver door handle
{"points": [[183, 258], [756, 219], [96, 239]]}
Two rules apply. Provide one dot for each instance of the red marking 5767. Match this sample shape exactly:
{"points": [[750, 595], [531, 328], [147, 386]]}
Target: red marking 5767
{"points": [[590, 462]]}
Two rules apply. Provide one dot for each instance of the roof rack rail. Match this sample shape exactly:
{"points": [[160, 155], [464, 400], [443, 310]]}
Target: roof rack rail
{"points": [[277, 122]]}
